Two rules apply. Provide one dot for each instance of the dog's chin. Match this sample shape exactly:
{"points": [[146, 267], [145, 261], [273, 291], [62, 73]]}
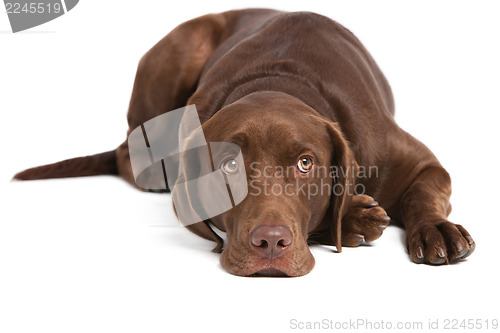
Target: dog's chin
{"points": [[269, 272], [254, 266]]}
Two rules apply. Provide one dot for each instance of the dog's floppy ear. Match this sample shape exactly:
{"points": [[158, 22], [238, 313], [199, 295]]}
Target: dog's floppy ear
{"points": [[195, 164], [344, 170]]}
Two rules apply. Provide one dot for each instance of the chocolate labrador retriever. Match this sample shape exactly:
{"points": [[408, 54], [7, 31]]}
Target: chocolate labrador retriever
{"points": [[314, 117]]}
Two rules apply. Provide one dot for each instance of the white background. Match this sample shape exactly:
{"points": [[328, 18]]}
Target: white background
{"points": [[96, 255]]}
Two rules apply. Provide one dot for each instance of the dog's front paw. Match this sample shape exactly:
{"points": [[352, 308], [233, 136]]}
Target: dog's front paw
{"points": [[439, 243], [365, 220]]}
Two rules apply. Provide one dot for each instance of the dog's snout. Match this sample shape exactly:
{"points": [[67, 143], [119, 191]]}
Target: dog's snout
{"points": [[271, 241]]}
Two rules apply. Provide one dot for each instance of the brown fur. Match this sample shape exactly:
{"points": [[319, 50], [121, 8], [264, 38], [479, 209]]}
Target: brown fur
{"points": [[278, 84]]}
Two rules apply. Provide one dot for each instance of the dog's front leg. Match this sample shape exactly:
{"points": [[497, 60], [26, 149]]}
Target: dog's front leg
{"points": [[423, 209]]}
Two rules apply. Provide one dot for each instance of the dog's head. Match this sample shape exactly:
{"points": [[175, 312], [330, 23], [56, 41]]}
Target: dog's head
{"points": [[299, 174]]}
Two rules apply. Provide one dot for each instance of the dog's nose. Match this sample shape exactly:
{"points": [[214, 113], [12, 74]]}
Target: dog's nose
{"points": [[271, 241]]}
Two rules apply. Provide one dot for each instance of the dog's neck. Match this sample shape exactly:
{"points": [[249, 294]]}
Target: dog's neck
{"points": [[210, 102]]}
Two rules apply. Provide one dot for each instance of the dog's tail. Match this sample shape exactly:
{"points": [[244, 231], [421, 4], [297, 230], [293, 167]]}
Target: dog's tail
{"points": [[99, 164]]}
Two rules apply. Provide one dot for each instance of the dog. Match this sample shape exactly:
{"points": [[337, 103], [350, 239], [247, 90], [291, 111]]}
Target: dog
{"points": [[297, 92]]}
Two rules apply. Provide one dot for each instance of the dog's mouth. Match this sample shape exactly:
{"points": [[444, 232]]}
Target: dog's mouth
{"points": [[269, 272], [294, 261]]}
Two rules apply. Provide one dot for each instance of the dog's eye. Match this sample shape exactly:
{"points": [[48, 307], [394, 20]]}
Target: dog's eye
{"points": [[230, 167], [305, 164]]}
